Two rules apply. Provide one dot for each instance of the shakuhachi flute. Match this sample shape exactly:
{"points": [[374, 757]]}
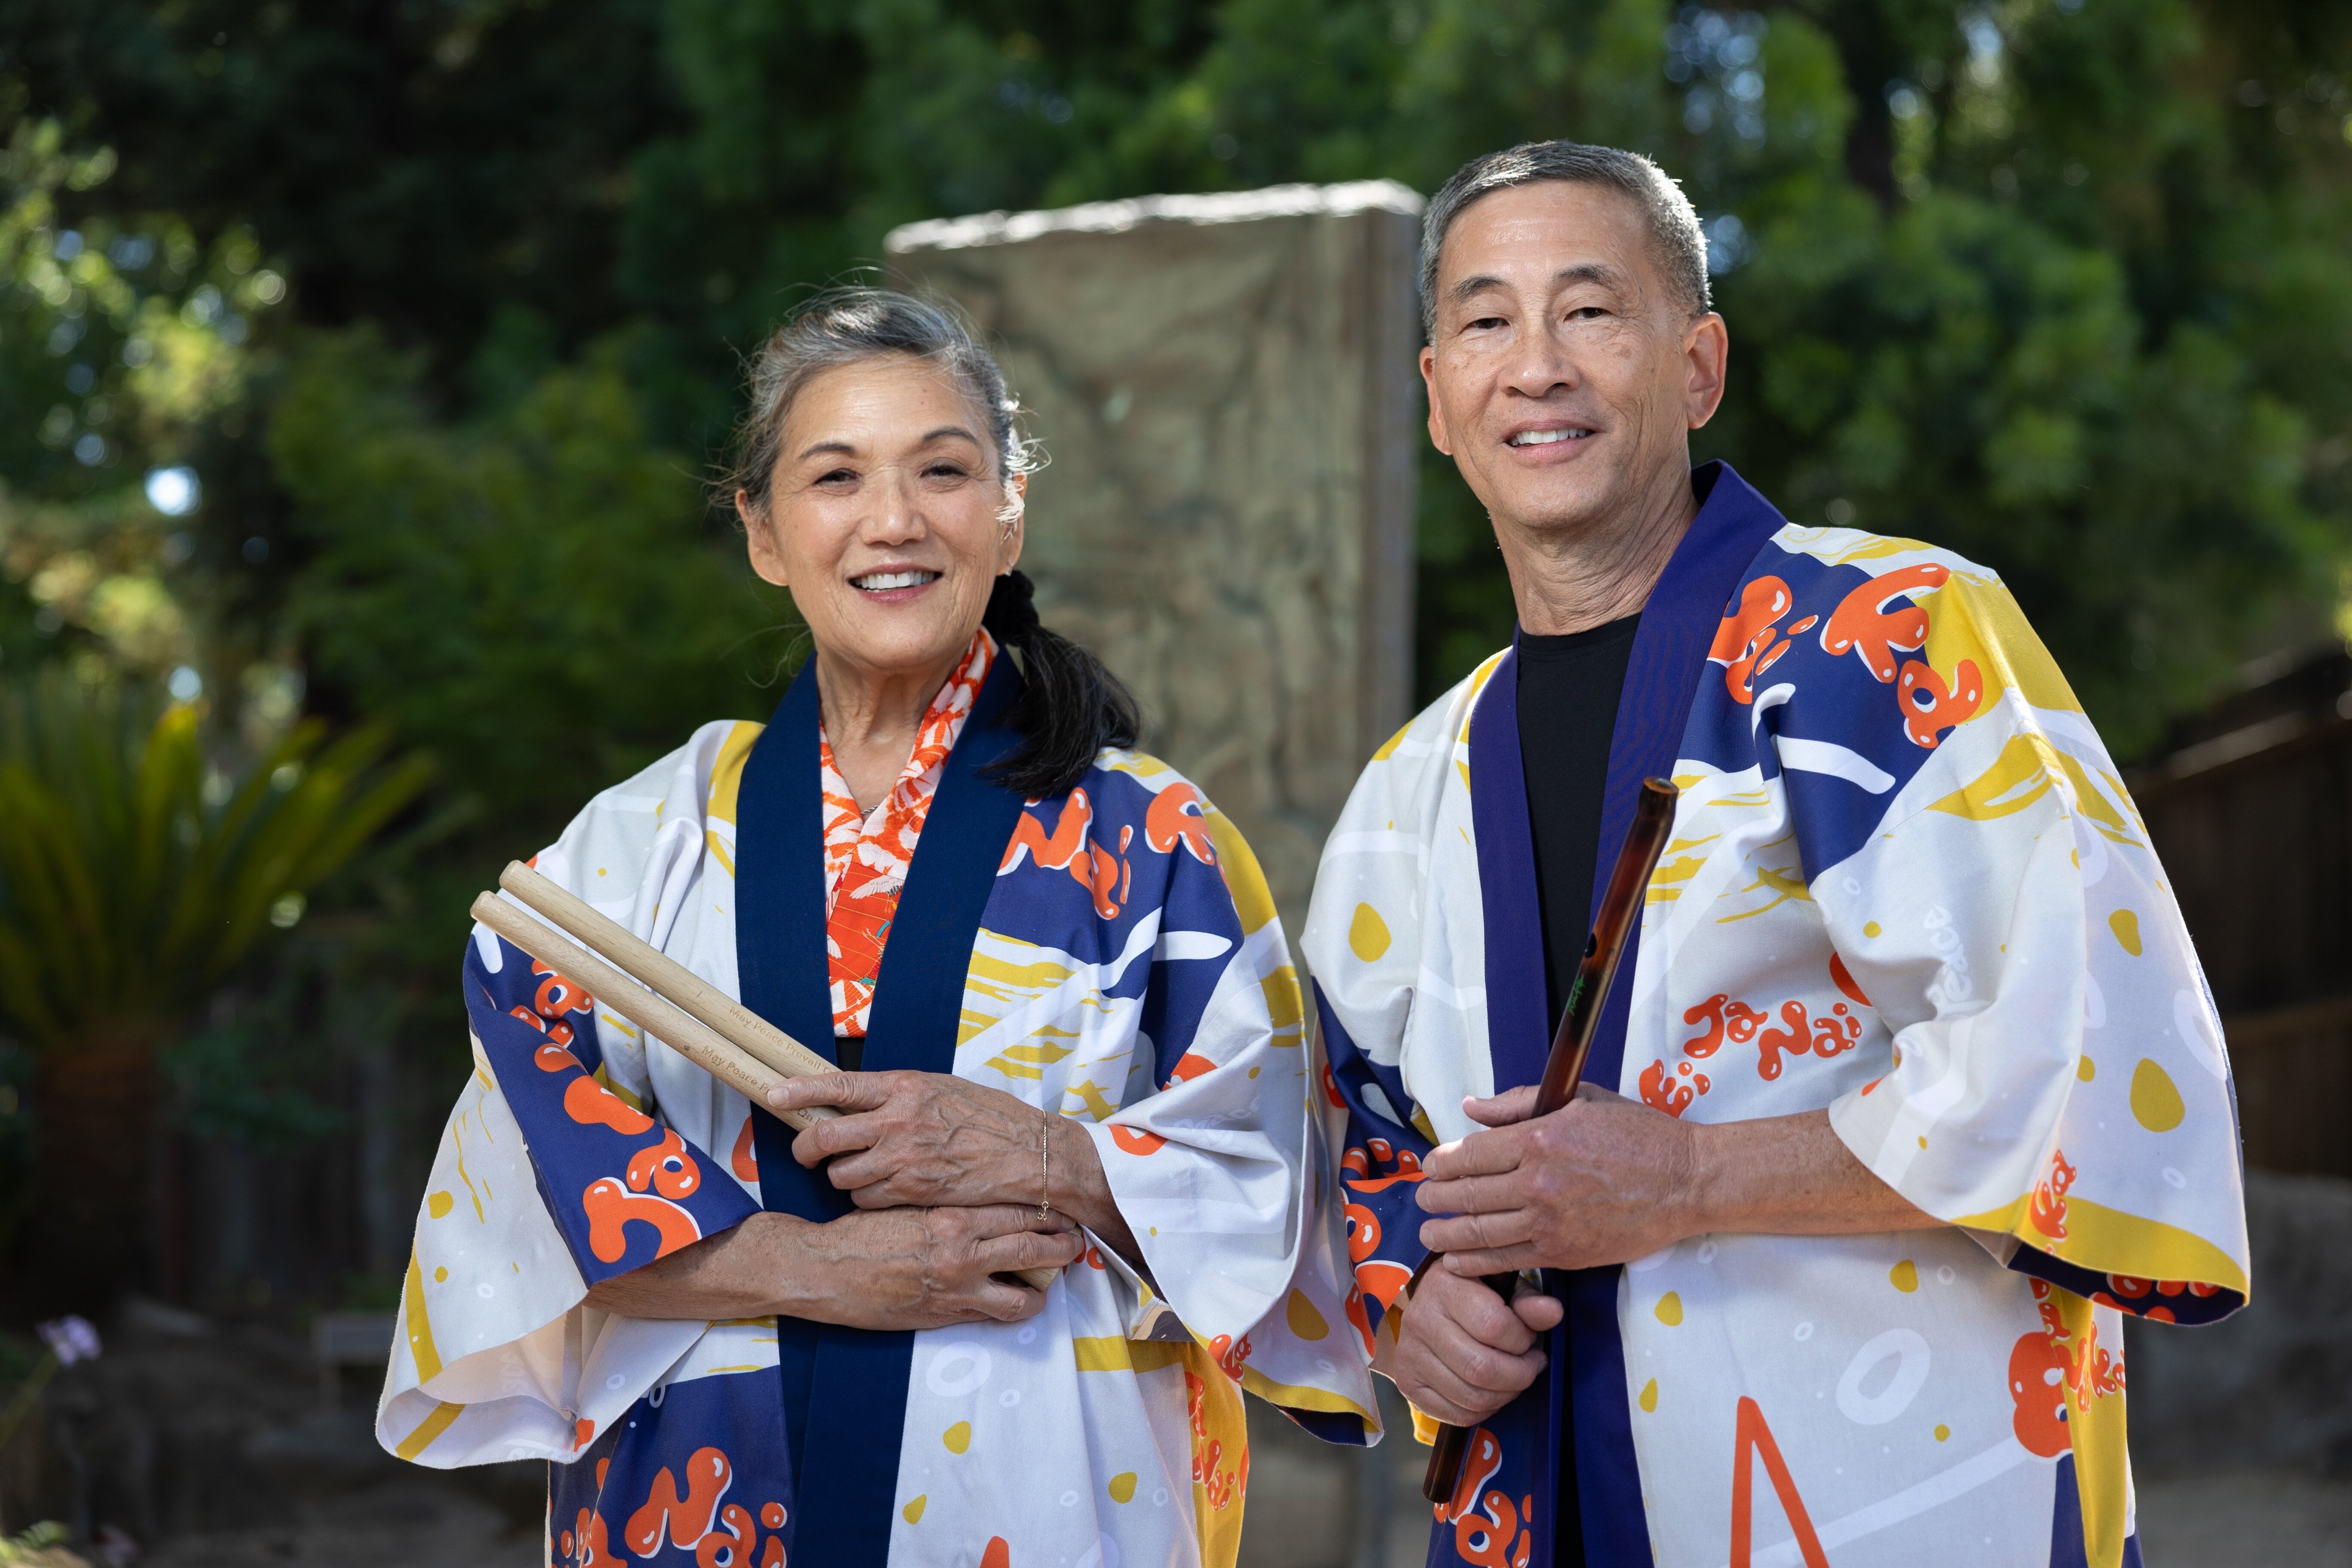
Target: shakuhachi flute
{"points": [[1620, 903], [663, 997]]}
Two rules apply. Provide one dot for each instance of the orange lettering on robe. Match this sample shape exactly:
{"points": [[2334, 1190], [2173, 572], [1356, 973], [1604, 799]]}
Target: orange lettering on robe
{"points": [[1056, 851], [1190, 1066], [1136, 1141], [591, 1104], [1929, 707], [666, 1167], [1863, 623], [729, 1544], [998, 1554], [2037, 1375], [1175, 818], [559, 993], [2048, 1212], [611, 1208], [1744, 642], [687, 1518], [746, 1157], [1752, 1436]]}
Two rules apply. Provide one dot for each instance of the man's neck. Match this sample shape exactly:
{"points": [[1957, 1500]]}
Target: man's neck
{"points": [[1572, 580]]}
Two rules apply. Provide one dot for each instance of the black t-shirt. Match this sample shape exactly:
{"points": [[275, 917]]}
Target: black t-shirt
{"points": [[1568, 687]]}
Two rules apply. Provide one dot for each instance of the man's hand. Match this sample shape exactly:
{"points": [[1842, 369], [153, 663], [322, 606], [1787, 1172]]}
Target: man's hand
{"points": [[1601, 1180], [1605, 1180], [1462, 1353]]}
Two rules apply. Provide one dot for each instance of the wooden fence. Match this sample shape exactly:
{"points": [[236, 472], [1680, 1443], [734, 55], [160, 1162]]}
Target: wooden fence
{"points": [[2254, 821]]}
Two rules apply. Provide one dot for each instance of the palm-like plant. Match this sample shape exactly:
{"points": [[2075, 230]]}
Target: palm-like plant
{"points": [[132, 878]]}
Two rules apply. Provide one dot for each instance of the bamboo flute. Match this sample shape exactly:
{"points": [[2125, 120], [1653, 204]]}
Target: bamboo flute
{"points": [[661, 996], [1620, 903]]}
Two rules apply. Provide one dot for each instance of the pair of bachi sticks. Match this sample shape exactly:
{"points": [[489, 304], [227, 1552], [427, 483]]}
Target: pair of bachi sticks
{"points": [[661, 996]]}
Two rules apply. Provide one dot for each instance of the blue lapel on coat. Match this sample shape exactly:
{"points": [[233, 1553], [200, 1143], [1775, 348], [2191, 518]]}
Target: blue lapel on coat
{"points": [[845, 1389], [1662, 677]]}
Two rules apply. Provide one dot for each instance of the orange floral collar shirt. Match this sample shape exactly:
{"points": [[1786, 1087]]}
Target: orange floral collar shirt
{"points": [[866, 858]]}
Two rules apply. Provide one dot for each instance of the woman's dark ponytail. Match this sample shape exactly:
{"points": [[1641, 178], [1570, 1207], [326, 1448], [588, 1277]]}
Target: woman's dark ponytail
{"points": [[1071, 705]]}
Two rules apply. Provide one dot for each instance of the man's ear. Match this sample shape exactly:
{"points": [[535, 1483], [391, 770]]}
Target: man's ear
{"points": [[1437, 435], [759, 543], [1706, 360]]}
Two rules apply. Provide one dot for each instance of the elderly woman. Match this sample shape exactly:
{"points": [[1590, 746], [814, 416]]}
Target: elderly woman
{"points": [[1071, 1039]]}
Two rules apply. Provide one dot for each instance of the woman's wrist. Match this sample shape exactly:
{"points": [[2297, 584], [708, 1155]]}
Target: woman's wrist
{"points": [[1077, 1185]]}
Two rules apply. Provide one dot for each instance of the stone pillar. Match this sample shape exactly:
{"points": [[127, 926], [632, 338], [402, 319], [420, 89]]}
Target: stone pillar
{"points": [[1226, 388]]}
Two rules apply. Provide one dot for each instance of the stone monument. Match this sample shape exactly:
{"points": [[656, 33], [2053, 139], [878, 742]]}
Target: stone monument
{"points": [[1227, 390]]}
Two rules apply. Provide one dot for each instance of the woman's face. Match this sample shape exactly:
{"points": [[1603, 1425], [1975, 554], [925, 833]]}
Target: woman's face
{"points": [[885, 516]]}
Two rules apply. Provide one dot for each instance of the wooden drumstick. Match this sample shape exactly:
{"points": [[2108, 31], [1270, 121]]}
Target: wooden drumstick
{"points": [[1620, 903], [698, 1020]]}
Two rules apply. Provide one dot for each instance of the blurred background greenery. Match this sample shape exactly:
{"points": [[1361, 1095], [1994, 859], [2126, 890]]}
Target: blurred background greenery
{"points": [[361, 362]]}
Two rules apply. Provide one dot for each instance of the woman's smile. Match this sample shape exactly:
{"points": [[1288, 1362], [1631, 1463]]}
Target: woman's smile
{"points": [[895, 585]]}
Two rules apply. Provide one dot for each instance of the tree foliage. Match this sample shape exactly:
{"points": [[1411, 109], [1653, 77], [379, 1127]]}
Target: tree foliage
{"points": [[441, 302], [2060, 283]]}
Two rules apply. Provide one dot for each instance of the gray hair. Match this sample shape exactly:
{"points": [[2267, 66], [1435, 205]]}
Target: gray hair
{"points": [[1674, 232], [850, 326]]}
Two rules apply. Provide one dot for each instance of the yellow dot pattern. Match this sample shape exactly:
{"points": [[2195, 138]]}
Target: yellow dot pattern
{"points": [[957, 1438], [913, 1512], [1650, 1395], [1122, 1487], [1304, 1320], [2085, 1069], [1368, 934], [2155, 1099], [1905, 1275], [1670, 1309], [439, 1205], [2125, 925]]}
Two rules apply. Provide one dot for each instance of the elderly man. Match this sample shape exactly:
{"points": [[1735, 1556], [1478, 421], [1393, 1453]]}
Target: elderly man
{"points": [[1911, 1082]]}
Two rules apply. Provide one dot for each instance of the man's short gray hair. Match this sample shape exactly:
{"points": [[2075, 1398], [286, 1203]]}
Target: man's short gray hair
{"points": [[1674, 224]]}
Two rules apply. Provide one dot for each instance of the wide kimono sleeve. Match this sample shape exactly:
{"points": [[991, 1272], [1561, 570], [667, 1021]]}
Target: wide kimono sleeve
{"points": [[1221, 1169], [558, 1169], [2059, 1085], [1396, 946]]}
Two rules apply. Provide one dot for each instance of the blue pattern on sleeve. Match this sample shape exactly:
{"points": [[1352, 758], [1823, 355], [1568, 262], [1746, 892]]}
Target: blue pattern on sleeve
{"points": [[623, 1189]]}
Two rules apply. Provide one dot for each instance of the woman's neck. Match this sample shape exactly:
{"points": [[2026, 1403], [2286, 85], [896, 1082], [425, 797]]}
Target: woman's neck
{"points": [[871, 719]]}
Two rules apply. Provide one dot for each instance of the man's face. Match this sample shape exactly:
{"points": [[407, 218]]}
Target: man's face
{"points": [[1564, 373]]}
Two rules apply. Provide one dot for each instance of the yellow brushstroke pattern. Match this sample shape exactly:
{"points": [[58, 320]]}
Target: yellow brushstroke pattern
{"points": [[1029, 1061], [2026, 770], [1115, 1353], [420, 1326], [432, 1426], [1786, 882], [1090, 1094]]}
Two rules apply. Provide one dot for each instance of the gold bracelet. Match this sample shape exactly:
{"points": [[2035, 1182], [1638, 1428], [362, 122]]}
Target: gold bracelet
{"points": [[1045, 1162]]}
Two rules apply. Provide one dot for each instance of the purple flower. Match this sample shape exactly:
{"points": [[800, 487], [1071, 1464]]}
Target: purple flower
{"points": [[69, 1339]]}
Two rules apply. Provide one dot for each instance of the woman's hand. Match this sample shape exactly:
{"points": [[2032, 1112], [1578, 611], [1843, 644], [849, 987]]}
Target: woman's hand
{"points": [[927, 1268], [900, 1269], [931, 1138]]}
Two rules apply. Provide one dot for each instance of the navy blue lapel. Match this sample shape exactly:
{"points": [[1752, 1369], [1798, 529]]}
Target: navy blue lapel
{"points": [[845, 1389], [1662, 677], [1519, 1031]]}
